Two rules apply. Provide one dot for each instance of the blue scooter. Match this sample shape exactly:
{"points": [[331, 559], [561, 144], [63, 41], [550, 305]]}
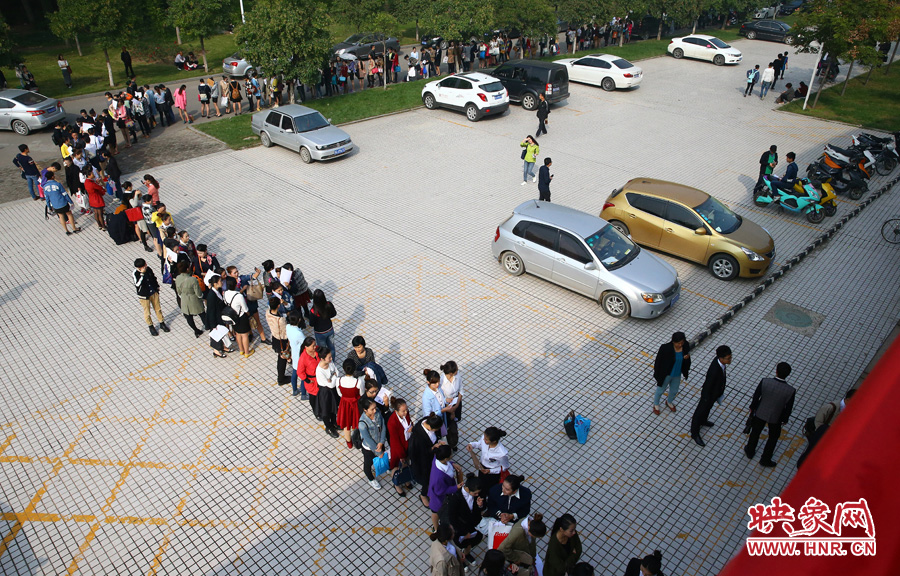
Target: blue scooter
{"points": [[788, 200]]}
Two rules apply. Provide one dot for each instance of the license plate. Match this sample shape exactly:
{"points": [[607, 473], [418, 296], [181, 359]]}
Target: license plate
{"points": [[51, 110], [339, 151], [675, 299], [498, 96]]}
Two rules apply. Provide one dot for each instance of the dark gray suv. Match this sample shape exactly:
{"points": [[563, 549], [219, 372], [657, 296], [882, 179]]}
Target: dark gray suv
{"points": [[525, 79]]}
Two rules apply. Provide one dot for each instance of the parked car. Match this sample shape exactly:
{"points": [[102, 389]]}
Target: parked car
{"points": [[767, 30], [691, 224], [434, 41], [608, 72], [587, 255], [361, 45], [235, 66], [790, 7], [477, 94], [302, 129], [704, 47], [525, 79], [763, 13], [23, 111]]}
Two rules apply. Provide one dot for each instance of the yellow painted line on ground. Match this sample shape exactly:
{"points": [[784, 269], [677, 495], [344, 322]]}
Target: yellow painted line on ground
{"points": [[704, 296]]}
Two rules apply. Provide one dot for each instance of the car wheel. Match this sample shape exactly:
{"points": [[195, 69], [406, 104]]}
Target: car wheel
{"points": [[444, 45], [249, 72], [724, 267], [830, 209], [788, 39], [529, 101], [719, 60], [678, 53], [608, 84], [751, 35], [815, 216], [621, 227], [512, 263], [615, 305], [428, 99], [20, 127], [265, 140], [305, 155], [471, 112]]}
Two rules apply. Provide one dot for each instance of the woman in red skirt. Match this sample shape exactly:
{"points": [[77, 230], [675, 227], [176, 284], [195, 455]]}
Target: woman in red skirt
{"points": [[399, 430], [95, 193], [349, 388]]}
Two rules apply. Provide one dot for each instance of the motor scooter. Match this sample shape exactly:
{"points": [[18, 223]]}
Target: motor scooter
{"points": [[836, 157], [805, 203], [884, 149], [841, 181]]}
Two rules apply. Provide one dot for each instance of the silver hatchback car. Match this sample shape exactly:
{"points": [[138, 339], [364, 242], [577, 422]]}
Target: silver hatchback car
{"points": [[23, 111], [587, 255], [301, 129], [236, 66]]}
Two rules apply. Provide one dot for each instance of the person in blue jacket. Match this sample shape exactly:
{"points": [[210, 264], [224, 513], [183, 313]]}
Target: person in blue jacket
{"points": [[60, 202]]}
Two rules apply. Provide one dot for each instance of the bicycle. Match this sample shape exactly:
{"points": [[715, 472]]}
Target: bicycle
{"points": [[890, 230]]}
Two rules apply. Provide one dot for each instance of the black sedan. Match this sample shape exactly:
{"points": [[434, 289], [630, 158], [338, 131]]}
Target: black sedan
{"points": [[361, 45], [767, 30]]}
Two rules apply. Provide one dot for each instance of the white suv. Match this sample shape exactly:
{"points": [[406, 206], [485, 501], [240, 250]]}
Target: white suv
{"points": [[475, 93]]}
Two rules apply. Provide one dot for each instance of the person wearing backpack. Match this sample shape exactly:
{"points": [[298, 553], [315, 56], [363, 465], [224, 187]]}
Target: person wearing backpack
{"points": [[204, 94], [752, 78], [234, 96], [239, 314]]}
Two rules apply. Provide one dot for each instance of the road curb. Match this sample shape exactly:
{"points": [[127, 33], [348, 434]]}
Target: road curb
{"points": [[796, 259]]}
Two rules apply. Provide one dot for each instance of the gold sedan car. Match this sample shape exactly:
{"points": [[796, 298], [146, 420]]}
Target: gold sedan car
{"points": [[690, 224]]}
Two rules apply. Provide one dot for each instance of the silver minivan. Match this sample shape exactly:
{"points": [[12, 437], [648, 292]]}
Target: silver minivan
{"points": [[587, 255]]}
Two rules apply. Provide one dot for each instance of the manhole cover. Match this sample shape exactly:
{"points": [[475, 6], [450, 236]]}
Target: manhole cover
{"points": [[794, 318]]}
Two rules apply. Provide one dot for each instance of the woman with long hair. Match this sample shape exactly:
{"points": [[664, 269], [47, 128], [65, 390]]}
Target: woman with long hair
{"points": [[181, 103], [236, 301], [191, 297], [349, 389], [564, 548], [424, 439], [327, 379], [306, 371], [319, 316], [400, 427], [452, 388]]}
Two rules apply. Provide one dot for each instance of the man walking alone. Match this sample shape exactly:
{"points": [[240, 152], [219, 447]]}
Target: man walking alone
{"points": [[771, 406], [673, 360], [543, 111]]}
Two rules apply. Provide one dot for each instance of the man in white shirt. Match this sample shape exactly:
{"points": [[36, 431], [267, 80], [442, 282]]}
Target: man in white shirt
{"points": [[768, 77]]}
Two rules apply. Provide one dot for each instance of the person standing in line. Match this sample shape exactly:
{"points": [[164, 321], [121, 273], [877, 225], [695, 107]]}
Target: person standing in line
{"points": [[772, 404], [433, 400], [463, 510], [95, 193], [452, 388], [191, 297], [767, 163], [350, 388], [529, 155], [399, 431], [673, 360], [243, 286], [543, 111], [768, 80], [181, 103], [65, 69], [423, 440], [306, 371], [30, 170], [204, 94], [778, 65], [826, 414], [544, 179], [224, 92], [60, 202], [494, 456], [713, 388], [214, 307], [649, 565], [446, 478], [234, 95], [295, 337], [752, 78], [443, 559], [215, 93], [327, 399], [234, 298], [564, 548], [170, 103], [319, 317], [520, 547], [360, 355], [148, 293], [275, 318], [372, 431], [126, 60]]}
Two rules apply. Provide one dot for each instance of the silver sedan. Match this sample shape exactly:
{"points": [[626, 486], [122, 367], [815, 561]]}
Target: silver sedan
{"points": [[23, 111], [587, 255], [301, 129], [235, 66]]}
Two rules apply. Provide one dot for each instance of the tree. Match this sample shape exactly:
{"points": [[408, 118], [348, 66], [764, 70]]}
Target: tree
{"points": [[388, 26], [577, 12], [456, 19], [290, 37], [8, 55], [406, 10], [201, 18], [72, 17], [534, 18], [359, 12]]}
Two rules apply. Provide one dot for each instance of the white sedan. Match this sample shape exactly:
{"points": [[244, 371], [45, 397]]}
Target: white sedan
{"points": [[604, 70], [704, 47]]}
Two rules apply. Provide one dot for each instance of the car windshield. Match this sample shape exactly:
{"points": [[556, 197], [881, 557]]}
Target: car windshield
{"points": [[718, 43], [719, 216], [491, 87], [30, 99], [612, 248], [354, 39], [310, 122], [622, 63]]}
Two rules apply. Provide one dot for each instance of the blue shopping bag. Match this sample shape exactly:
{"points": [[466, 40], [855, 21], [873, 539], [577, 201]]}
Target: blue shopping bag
{"points": [[381, 465], [582, 427]]}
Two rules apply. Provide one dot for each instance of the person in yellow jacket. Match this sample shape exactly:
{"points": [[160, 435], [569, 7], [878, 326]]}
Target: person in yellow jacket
{"points": [[529, 155]]}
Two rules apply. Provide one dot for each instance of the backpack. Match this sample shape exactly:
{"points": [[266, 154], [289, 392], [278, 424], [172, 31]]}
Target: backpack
{"points": [[229, 314], [356, 439], [750, 74], [235, 91]]}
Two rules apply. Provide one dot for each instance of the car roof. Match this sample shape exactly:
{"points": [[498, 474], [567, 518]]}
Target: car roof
{"points": [[13, 92], [701, 36], [608, 57], [476, 77], [581, 223], [295, 110], [670, 190], [534, 64]]}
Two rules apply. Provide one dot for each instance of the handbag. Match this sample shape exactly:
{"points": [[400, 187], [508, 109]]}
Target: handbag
{"points": [[402, 475], [381, 464], [342, 78], [569, 425], [582, 427], [109, 189], [524, 153], [129, 124], [497, 533], [356, 439], [134, 214], [255, 291]]}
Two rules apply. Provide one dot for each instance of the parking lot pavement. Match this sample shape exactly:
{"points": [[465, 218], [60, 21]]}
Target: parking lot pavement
{"points": [[124, 453]]}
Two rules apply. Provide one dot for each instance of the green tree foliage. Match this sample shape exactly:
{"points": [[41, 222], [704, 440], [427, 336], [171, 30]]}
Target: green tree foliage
{"points": [[533, 18], [359, 13], [389, 26], [456, 19], [8, 55], [287, 36], [72, 18], [200, 18]]}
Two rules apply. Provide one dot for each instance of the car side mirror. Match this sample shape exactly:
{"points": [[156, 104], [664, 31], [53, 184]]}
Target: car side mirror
{"points": [[289, 130], [701, 231], [590, 266], [328, 120]]}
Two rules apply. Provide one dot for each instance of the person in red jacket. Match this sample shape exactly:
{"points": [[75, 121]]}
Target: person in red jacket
{"points": [[399, 430], [95, 192], [306, 371]]}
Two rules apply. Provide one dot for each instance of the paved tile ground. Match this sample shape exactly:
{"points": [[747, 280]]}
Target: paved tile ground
{"points": [[126, 454]]}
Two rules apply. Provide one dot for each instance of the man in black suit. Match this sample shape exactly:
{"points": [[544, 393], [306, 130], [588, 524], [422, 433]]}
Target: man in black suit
{"points": [[544, 178], [772, 405], [713, 388]]}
